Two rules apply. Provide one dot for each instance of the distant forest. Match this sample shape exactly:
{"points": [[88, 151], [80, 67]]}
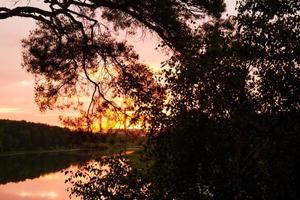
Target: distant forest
{"points": [[22, 135]]}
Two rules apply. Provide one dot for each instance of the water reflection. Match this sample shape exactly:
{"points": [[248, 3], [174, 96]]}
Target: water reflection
{"points": [[47, 187], [39, 176], [20, 168]]}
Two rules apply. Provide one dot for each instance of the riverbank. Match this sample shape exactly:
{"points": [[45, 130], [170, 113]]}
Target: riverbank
{"points": [[112, 149]]}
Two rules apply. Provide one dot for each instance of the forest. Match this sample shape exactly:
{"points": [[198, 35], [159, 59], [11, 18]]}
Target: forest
{"points": [[28, 136]]}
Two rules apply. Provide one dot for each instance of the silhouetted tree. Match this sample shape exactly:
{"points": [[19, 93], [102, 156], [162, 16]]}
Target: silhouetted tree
{"points": [[74, 39], [109, 178], [233, 128]]}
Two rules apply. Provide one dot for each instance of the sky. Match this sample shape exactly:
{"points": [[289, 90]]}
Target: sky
{"points": [[17, 86]]}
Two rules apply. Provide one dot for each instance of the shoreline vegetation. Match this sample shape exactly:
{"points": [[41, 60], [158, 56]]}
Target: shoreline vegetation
{"points": [[24, 138], [101, 151]]}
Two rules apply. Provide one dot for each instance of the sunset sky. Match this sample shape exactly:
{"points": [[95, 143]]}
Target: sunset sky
{"points": [[16, 85]]}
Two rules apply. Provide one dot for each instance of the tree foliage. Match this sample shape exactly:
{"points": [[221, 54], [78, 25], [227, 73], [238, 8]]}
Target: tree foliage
{"points": [[23, 135], [74, 50], [269, 32], [234, 109], [108, 178]]}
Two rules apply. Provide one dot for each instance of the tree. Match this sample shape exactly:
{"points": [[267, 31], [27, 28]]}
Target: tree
{"points": [[109, 178], [74, 39], [234, 107]]}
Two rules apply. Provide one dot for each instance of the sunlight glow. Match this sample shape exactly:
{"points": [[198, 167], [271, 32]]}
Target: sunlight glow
{"points": [[50, 177], [26, 83], [50, 195], [10, 110], [25, 194]]}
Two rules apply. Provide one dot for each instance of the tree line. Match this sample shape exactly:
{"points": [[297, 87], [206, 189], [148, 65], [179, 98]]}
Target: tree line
{"points": [[22, 135]]}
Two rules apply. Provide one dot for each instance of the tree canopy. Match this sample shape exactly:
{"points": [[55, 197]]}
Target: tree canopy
{"points": [[73, 50]]}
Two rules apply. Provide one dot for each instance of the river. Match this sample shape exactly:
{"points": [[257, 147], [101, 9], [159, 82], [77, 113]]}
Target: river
{"points": [[38, 176]]}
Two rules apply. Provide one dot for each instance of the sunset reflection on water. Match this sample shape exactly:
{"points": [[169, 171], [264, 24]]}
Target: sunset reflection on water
{"points": [[46, 187], [41, 176]]}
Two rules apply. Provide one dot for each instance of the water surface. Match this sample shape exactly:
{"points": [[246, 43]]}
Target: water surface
{"points": [[38, 176]]}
